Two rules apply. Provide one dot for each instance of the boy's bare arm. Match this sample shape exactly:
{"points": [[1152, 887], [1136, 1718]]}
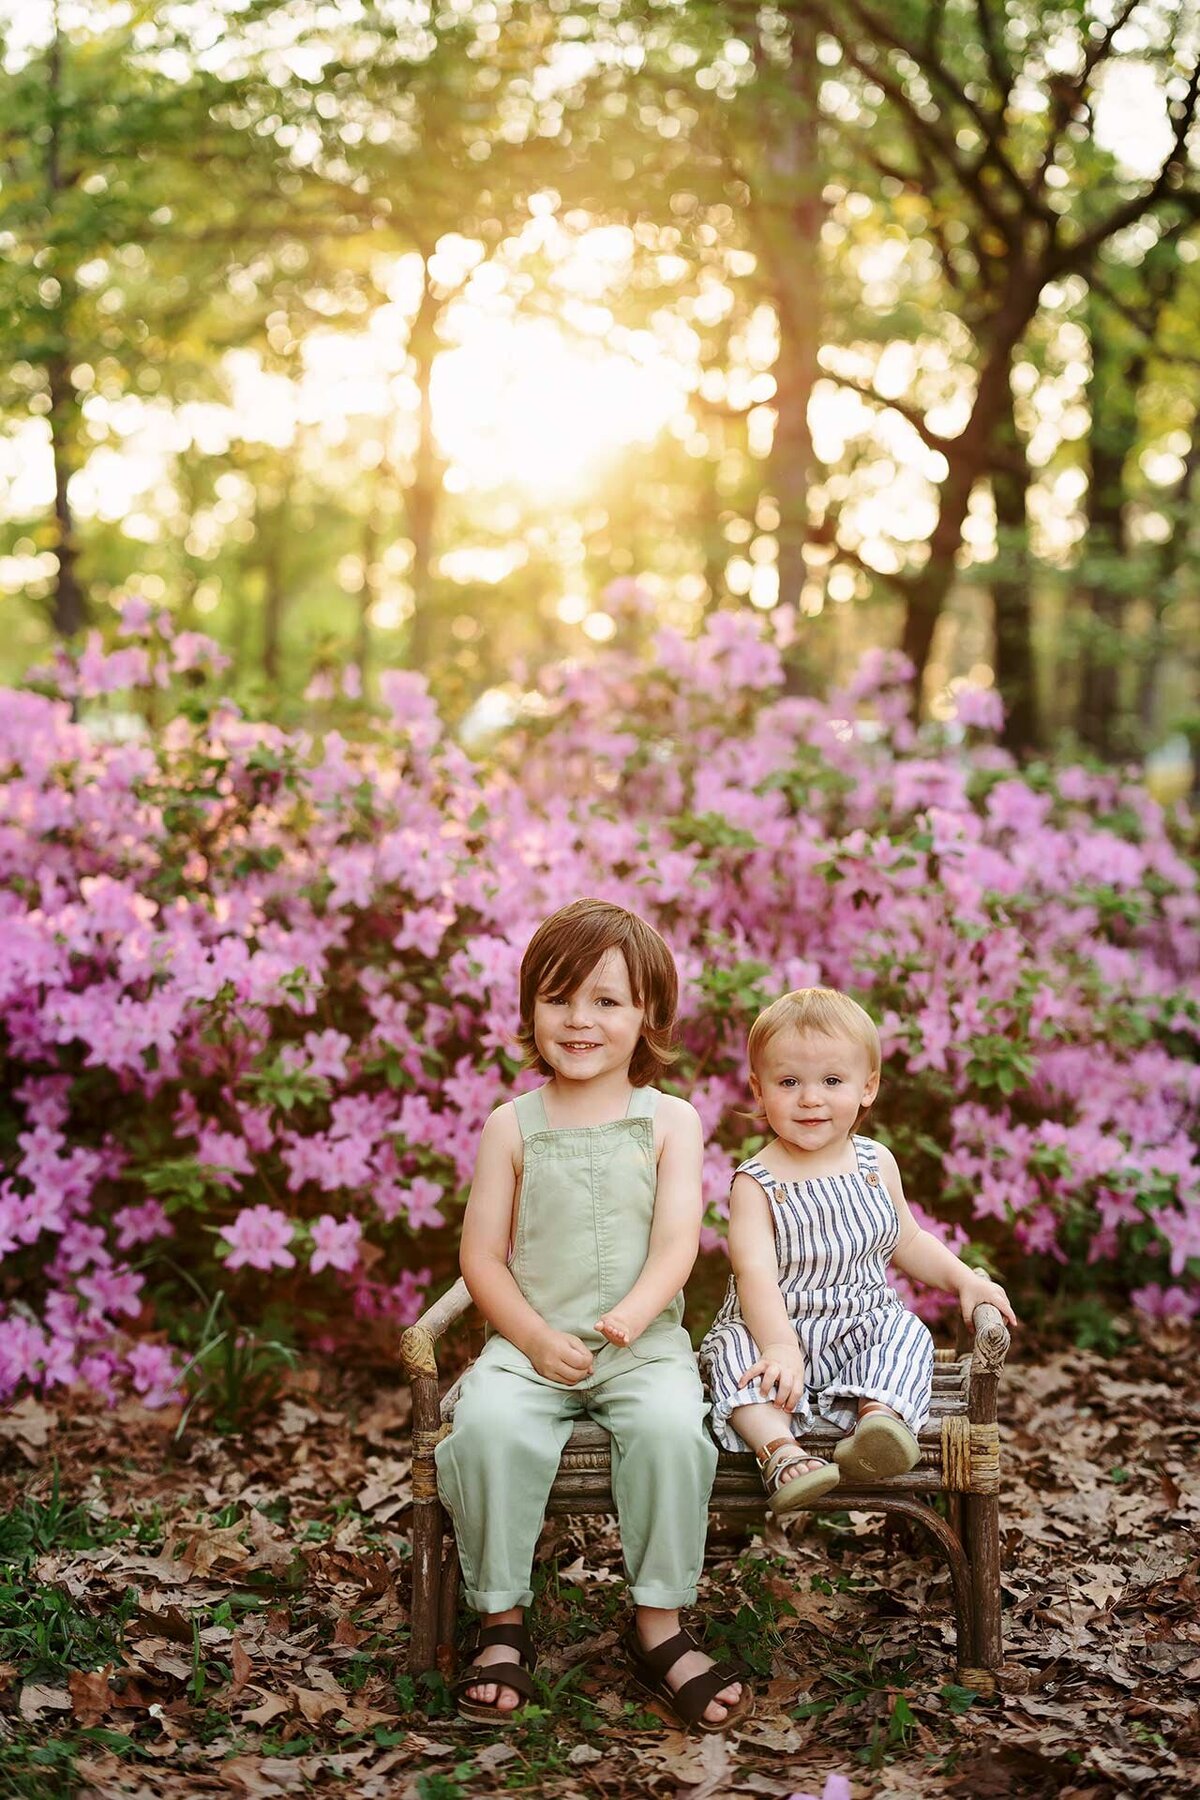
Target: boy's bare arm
{"points": [[675, 1230], [483, 1257], [919, 1254]]}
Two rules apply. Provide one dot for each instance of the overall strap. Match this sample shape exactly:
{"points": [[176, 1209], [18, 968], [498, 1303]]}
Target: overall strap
{"points": [[867, 1154], [643, 1103], [757, 1172], [530, 1109]]}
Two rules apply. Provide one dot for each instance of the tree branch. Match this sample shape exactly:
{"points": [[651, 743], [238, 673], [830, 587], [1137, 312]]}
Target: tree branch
{"points": [[1071, 256], [943, 445], [1067, 93]]}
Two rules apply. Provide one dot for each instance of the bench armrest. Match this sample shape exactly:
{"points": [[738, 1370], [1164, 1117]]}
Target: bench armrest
{"points": [[987, 1360], [418, 1355], [992, 1338]]}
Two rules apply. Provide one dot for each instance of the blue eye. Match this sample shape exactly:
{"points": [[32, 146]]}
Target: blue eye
{"points": [[788, 1081], [833, 1081]]}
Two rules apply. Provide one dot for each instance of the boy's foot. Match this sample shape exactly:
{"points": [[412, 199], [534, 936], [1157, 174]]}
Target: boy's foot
{"points": [[731, 1702], [506, 1649]]}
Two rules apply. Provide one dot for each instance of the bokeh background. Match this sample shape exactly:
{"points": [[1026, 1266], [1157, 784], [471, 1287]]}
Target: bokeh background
{"points": [[396, 334], [740, 460]]}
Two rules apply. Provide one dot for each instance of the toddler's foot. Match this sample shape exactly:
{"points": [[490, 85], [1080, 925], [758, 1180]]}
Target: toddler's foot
{"points": [[790, 1477], [881, 1445]]}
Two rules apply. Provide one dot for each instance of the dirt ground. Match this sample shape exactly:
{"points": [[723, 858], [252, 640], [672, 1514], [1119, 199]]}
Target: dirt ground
{"points": [[227, 1615]]}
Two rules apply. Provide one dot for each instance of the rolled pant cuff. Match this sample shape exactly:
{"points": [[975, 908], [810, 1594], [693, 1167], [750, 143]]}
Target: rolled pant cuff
{"points": [[494, 1600], [669, 1599]]}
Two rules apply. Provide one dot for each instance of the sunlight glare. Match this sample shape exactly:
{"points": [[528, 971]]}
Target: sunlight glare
{"points": [[517, 402]]}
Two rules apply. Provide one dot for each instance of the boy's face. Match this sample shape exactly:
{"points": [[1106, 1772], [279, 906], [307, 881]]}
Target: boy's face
{"points": [[812, 1087], [595, 1030]]}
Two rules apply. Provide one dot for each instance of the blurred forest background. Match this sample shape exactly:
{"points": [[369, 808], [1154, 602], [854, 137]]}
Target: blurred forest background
{"points": [[371, 335]]}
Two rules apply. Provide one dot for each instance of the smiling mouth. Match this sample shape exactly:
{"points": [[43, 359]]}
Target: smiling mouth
{"points": [[581, 1046]]}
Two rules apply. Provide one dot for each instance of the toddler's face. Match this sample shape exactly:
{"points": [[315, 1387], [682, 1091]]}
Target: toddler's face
{"points": [[812, 1087], [593, 1031]]}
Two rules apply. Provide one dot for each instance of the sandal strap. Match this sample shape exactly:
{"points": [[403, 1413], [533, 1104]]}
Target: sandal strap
{"points": [[503, 1674], [768, 1450], [691, 1701], [513, 1637], [785, 1457], [664, 1656]]}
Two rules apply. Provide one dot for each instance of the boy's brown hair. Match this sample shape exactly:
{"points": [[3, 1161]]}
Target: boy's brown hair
{"points": [[565, 949]]}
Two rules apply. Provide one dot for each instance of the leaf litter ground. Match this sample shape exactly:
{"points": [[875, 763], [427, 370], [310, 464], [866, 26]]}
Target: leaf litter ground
{"points": [[228, 1616]]}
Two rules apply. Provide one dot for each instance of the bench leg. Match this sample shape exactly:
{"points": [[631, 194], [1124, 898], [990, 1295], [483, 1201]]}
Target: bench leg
{"points": [[982, 1519], [947, 1542], [428, 1521], [446, 1651]]}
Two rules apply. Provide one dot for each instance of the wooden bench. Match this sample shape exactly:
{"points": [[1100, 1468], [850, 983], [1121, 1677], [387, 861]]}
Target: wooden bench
{"points": [[960, 1458]]}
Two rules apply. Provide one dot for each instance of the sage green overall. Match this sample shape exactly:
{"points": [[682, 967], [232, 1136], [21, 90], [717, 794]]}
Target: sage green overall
{"points": [[583, 1234]]}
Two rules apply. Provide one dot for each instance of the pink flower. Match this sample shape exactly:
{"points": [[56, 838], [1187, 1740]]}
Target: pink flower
{"points": [[141, 1224], [406, 696], [335, 1243], [1166, 1303], [422, 1198], [258, 1239], [154, 1372], [979, 707]]}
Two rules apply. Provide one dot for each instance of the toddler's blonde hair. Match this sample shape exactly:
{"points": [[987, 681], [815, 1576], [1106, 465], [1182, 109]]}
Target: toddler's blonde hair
{"points": [[823, 1011]]}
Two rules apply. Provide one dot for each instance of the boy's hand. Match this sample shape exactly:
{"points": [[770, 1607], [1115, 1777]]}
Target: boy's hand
{"points": [[558, 1356], [618, 1328], [977, 1290], [780, 1372]]}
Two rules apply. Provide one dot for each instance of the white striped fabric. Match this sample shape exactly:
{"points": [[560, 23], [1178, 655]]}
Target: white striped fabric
{"points": [[833, 1239]]}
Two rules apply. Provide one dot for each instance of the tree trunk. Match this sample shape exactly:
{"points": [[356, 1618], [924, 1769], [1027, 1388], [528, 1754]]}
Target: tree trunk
{"points": [[971, 457], [1012, 597], [1170, 561], [69, 607], [786, 217], [1115, 381], [273, 533], [425, 489], [370, 583]]}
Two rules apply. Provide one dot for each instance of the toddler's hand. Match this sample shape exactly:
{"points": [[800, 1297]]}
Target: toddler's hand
{"points": [[616, 1328], [780, 1373], [979, 1291], [561, 1357]]}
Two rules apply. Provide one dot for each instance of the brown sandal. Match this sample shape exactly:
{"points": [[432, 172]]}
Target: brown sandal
{"points": [[785, 1496], [688, 1702], [515, 1675]]}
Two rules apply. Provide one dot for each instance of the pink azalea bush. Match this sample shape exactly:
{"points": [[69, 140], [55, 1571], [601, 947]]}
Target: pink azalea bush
{"points": [[258, 987]]}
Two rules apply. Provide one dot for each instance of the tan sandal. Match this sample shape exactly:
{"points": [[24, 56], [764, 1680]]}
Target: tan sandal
{"points": [[881, 1445], [785, 1496]]}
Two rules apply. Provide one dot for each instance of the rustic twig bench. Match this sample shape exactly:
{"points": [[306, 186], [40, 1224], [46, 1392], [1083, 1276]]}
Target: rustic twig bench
{"points": [[960, 1458]]}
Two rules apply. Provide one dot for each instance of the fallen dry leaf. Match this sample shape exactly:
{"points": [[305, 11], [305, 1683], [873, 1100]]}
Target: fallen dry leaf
{"points": [[90, 1697], [37, 1699]]}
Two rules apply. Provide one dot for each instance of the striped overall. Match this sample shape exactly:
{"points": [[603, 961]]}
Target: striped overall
{"points": [[833, 1238]]}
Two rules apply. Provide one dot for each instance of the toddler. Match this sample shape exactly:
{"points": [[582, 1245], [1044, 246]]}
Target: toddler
{"points": [[809, 1324]]}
